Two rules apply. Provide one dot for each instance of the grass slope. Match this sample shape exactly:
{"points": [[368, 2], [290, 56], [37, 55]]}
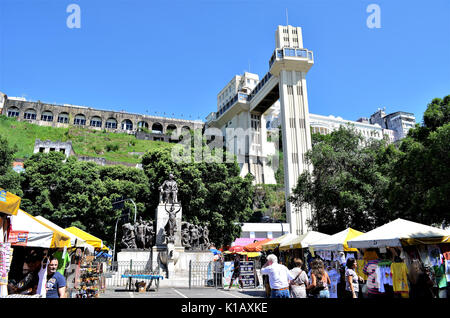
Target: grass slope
{"points": [[85, 142]]}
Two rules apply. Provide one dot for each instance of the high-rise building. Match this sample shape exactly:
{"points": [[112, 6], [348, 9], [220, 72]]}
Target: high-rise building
{"points": [[400, 122]]}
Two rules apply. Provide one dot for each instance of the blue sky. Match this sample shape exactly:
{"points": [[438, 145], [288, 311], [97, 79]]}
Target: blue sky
{"points": [[147, 56]]}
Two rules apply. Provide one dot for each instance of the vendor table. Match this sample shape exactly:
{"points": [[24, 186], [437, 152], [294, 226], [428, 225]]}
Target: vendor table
{"points": [[151, 277]]}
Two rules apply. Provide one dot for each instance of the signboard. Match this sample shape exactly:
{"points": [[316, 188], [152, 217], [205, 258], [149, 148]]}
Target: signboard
{"points": [[18, 238], [248, 274]]}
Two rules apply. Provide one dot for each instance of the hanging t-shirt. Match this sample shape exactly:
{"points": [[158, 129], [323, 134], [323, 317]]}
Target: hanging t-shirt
{"points": [[334, 278], [380, 279], [447, 270], [373, 281], [441, 279], [400, 277], [423, 254], [63, 260], [434, 255]]}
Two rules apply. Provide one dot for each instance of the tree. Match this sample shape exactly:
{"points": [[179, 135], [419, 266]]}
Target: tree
{"points": [[420, 187], [9, 179], [348, 183], [76, 193]]}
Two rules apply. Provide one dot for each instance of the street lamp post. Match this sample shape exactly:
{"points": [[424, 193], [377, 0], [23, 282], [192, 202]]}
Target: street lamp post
{"points": [[282, 231]]}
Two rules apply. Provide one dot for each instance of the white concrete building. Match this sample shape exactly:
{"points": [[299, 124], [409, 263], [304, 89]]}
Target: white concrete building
{"points": [[264, 230], [400, 122]]}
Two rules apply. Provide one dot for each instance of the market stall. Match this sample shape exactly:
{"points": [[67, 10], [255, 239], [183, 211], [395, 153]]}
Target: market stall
{"points": [[334, 251], [405, 250], [32, 241], [89, 278]]}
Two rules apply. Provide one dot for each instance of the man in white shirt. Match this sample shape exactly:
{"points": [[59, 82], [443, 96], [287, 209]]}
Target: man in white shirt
{"points": [[279, 277]]}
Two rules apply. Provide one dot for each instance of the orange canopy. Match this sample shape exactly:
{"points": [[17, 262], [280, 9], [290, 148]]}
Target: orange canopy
{"points": [[256, 246]]}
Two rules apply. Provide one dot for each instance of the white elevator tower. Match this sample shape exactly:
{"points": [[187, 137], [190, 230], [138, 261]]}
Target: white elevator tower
{"points": [[291, 65], [243, 103]]}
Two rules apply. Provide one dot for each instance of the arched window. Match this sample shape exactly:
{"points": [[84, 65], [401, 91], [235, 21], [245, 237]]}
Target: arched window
{"points": [[111, 123], [47, 116], [13, 112], [29, 114], [63, 118], [142, 124], [157, 128], [170, 128], [79, 120], [96, 121], [127, 125]]}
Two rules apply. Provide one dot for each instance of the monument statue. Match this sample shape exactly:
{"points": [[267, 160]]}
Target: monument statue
{"points": [[194, 236], [140, 233], [168, 191], [128, 237], [149, 234], [185, 236], [205, 237], [171, 226]]}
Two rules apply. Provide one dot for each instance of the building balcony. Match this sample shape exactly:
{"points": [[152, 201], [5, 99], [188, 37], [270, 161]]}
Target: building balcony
{"points": [[291, 58]]}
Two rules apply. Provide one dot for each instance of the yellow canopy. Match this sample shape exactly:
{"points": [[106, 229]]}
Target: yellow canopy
{"points": [[275, 242], [302, 241], [9, 203], [90, 239], [249, 254], [337, 242]]}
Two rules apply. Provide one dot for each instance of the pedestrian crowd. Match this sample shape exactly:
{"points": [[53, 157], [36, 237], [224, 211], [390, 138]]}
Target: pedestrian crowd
{"points": [[297, 283]]}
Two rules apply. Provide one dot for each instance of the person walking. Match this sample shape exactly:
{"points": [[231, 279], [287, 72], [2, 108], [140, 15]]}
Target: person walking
{"points": [[351, 279], [279, 277], [236, 272], [319, 280], [299, 283]]}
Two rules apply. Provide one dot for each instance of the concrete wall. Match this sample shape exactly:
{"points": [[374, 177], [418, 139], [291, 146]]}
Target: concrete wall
{"points": [[89, 113]]}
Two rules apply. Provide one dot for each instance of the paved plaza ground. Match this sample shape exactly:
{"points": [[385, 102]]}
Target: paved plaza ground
{"points": [[172, 292]]}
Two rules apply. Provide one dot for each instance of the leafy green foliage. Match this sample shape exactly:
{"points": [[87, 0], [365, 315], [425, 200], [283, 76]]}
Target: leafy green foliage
{"points": [[421, 185], [347, 184], [9, 179], [81, 193]]}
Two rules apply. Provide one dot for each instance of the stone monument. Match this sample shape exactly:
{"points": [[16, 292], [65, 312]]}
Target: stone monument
{"points": [[168, 225]]}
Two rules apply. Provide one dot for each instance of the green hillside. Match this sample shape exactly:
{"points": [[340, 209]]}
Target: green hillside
{"points": [[85, 142]]}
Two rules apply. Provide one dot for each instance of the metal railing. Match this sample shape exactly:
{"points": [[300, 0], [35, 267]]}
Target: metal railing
{"points": [[205, 274], [114, 272]]}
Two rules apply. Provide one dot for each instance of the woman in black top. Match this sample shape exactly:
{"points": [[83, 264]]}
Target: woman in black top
{"points": [[236, 272]]}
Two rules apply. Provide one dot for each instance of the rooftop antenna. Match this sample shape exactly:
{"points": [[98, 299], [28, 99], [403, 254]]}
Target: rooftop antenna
{"points": [[287, 17]]}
